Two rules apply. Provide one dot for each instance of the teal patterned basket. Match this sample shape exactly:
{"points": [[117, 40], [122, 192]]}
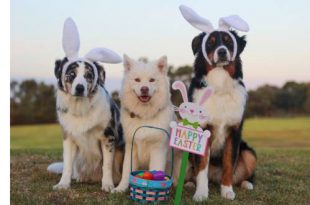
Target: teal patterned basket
{"points": [[149, 191]]}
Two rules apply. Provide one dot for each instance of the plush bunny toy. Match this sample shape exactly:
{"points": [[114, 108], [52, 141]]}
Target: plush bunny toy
{"points": [[192, 113], [71, 46]]}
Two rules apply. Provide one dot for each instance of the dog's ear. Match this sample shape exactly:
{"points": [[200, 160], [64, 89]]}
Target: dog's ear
{"points": [[57, 69], [162, 64], [196, 43], [128, 63], [241, 42], [101, 74]]}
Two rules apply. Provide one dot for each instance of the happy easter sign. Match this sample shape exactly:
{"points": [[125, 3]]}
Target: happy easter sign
{"points": [[187, 135], [188, 139]]}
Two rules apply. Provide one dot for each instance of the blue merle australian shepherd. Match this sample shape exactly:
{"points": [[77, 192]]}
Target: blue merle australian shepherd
{"points": [[229, 161], [92, 134]]}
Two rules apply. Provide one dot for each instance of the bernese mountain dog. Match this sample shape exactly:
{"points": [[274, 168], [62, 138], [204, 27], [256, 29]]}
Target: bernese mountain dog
{"points": [[229, 160]]}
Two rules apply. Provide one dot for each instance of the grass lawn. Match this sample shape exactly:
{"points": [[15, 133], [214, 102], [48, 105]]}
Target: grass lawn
{"points": [[282, 177]]}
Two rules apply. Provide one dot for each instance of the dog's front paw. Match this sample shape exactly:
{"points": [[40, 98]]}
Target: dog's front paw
{"points": [[201, 195], [107, 186], [247, 185], [60, 186], [119, 189], [227, 192]]}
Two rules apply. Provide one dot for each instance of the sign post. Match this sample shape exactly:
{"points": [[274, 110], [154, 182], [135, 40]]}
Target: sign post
{"points": [[188, 139], [187, 135], [178, 195]]}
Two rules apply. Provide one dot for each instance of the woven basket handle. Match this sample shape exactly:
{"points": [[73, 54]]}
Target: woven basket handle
{"points": [[152, 127]]}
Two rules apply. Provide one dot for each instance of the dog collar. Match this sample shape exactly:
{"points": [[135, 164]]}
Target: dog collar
{"points": [[203, 83], [131, 114], [134, 115]]}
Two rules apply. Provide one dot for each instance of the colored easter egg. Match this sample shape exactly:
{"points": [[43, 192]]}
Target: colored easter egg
{"points": [[159, 175], [140, 175], [147, 175]]}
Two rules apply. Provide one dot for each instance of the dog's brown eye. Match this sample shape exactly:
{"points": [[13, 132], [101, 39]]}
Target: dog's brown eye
{"points": [[89, 76], [152, 80], [137, 79], [211, 42], [70, 76], [226, 39]]}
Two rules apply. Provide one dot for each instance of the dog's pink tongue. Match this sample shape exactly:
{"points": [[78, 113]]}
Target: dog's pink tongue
{"points": [[144, 98]]}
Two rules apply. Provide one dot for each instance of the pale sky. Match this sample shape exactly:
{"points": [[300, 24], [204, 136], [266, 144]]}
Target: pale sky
{"points": [[278, 46]]}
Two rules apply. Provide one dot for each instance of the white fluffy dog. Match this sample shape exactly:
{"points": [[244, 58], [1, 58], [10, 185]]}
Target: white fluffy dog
{"points": [[145, 100]]}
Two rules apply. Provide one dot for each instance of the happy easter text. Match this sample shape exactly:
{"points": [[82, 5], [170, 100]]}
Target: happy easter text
{"points": [[187, 139]]}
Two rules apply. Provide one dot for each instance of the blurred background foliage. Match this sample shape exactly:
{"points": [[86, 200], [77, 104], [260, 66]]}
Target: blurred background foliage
{"points": [[34, 102]]}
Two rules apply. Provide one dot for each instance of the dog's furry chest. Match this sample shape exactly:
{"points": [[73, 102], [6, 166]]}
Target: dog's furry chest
{"points": [[147, 138], [224, 109], [81, 118]]}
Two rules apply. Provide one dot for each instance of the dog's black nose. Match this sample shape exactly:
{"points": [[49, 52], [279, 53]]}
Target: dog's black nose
{"points": [[144, 90], [79, 89], [222, 53]]}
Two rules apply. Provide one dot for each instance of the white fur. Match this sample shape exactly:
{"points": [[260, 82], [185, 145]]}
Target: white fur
{"points": [[56, 167], [150, 146], [68, 157], [216, 56], [81, 116], [227, 192], [225, 106], [202, 189], [83, 113], [247, 185], [80, 80], [107, 180]]}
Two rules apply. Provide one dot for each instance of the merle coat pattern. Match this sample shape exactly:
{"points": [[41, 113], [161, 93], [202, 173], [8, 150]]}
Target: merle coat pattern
{"points": [[91, 127]]}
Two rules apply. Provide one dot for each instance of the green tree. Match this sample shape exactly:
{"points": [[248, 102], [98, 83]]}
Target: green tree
{"points": [[32, 102]]}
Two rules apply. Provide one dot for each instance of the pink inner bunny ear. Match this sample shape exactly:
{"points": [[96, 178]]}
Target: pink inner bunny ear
{"points": [[178, 85], [207, 93]]}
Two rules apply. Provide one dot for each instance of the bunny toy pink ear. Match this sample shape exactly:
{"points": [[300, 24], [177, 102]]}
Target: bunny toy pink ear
{"points": [[178, 85], [205, 96]]}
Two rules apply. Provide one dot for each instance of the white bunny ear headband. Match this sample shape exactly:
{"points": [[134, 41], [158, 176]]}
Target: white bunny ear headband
{"points": [[71, 46], [225, 23]]}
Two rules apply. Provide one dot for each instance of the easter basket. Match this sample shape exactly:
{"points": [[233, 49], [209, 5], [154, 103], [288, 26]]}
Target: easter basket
{"points": [[149, 191]]}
